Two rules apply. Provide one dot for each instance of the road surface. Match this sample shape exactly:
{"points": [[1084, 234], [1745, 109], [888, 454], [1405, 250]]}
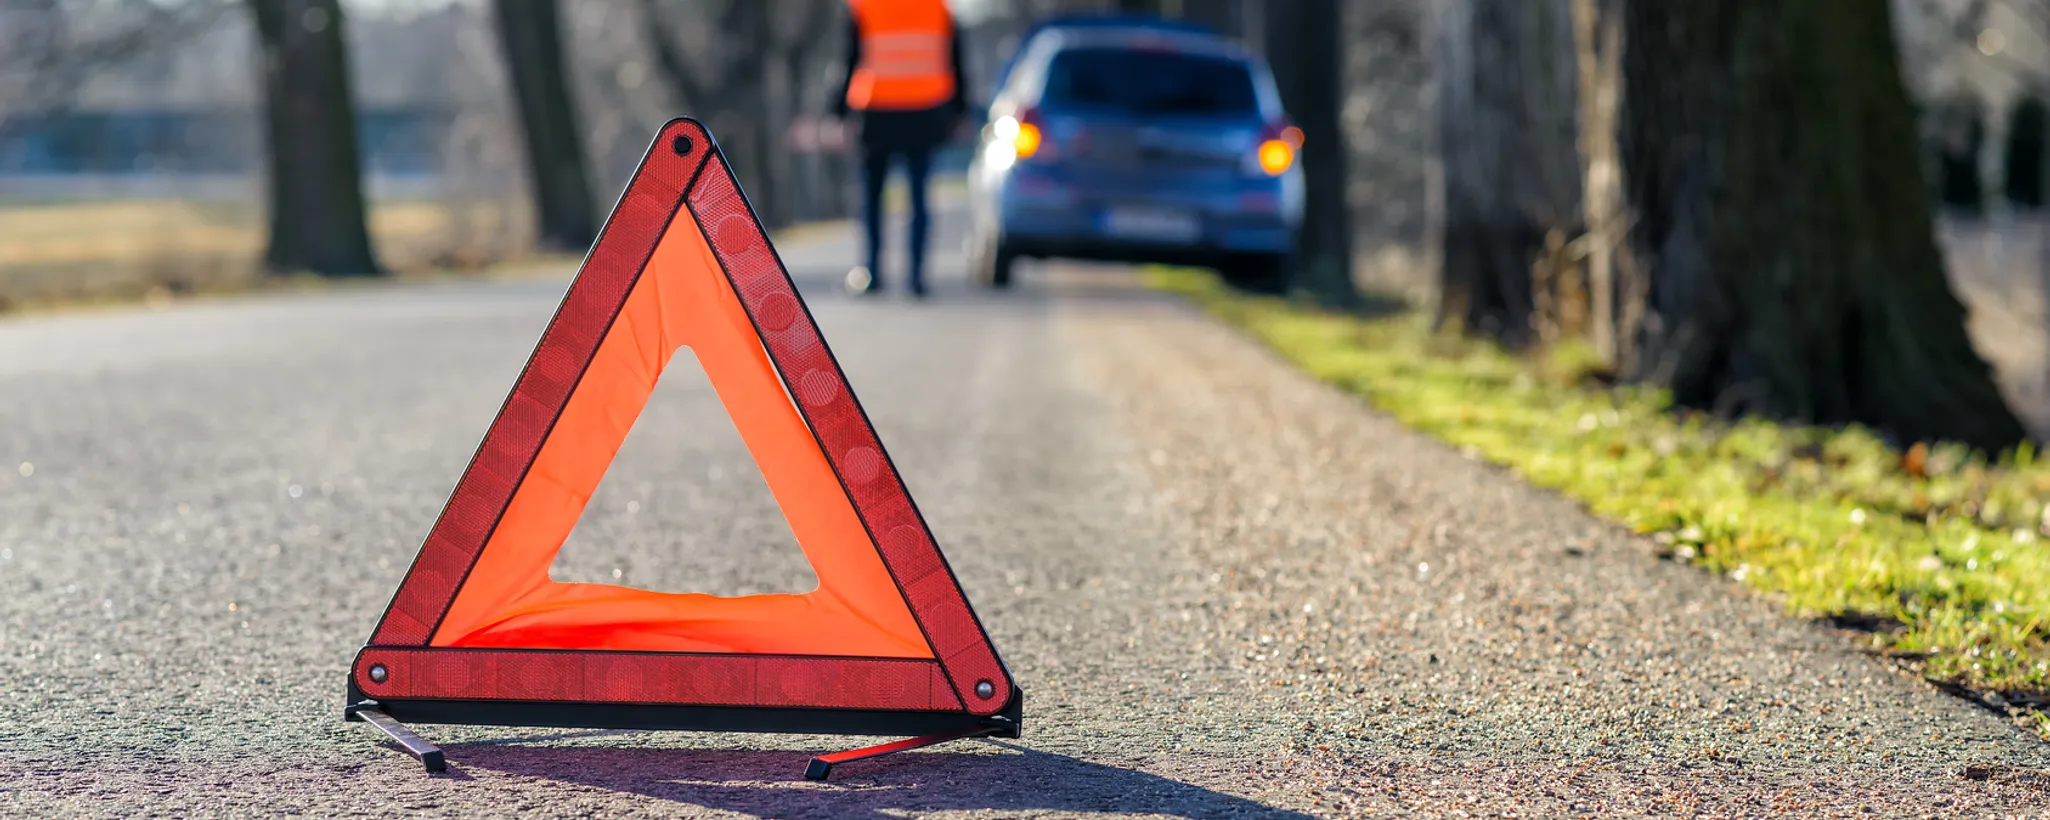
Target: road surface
{"points": [[1228, 591]]}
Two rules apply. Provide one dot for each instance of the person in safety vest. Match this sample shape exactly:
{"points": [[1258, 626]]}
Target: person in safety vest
{"points": [[904, 81]]}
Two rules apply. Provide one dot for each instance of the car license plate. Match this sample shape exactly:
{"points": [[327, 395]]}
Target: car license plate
{"points": [[1151, 223]]}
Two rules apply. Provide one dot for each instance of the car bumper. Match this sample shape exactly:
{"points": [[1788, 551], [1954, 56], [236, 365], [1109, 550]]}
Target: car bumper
{"points": [[1041, 217]]}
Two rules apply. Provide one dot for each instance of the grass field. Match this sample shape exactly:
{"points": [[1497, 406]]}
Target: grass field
{"points": [[121, 250], [125, 250], [1933, 556]]}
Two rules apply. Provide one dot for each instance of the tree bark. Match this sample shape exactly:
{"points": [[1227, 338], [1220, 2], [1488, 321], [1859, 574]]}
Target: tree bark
{"points": [[317, 220], [530, 34], [1509, 167], [1307, 53], [1768, 151]]}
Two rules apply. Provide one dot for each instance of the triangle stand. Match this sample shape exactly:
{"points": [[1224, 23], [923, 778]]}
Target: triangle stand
{"points": [[366, 710], [477, 632]]}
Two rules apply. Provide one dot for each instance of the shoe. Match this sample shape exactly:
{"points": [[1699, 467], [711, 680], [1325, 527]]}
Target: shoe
{"points": [[918, 291], [860, 283]]}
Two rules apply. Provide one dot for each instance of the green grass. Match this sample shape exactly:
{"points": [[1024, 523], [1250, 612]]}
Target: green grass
{"points": [[1940, 554]]}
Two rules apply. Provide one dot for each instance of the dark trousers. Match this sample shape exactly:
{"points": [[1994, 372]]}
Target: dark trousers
{"points": [[876, 161]]}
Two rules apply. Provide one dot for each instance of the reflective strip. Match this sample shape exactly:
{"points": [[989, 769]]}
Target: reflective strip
{"points": [[904, 54], [903, 40], [903, 68]]}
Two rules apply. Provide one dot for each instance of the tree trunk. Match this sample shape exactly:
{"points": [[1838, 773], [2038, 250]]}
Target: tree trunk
{"points": [[317, 220], [1768, 151], [762, 139], [1612, 278], [1509, 167], [1308, 57], [776, 191], [530, 34]]}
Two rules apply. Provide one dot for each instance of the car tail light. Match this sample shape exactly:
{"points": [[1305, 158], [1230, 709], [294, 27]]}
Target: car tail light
{"points": [[1275, 150], [1024, 131]]}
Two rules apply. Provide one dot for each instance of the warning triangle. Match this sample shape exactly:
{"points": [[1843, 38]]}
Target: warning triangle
{"points": [[478, 632]]}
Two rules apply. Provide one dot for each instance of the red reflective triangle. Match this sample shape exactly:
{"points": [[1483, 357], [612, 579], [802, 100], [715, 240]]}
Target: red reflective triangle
{"points": [[478, 634]]}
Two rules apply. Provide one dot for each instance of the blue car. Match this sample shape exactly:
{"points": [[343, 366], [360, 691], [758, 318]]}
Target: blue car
{"points": [[1129, 142]]}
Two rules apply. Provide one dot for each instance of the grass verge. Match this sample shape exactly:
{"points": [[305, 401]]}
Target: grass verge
{"points": [[1938, 557], [117, 251], [100, 253]]}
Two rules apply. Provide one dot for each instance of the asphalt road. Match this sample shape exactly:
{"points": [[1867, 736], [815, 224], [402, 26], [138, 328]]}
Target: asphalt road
{"points": [[1227, 590]]}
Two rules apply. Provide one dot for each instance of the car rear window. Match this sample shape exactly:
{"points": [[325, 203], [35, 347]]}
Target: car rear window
{"points": [[1150, 82]]}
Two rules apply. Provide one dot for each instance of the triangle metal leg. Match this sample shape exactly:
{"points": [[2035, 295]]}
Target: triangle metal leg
{"points": [[822, 766], [429, 755]]}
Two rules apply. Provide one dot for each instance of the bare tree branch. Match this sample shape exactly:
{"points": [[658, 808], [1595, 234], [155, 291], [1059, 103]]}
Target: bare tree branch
{"points": [[49, 56], [669, 56]]}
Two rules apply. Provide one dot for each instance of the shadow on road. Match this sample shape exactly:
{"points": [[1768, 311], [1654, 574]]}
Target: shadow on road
{"points": [[771, 783]]}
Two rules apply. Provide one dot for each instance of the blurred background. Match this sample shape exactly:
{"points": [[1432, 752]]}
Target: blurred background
{"points": [[135, 148], [132, 132]]}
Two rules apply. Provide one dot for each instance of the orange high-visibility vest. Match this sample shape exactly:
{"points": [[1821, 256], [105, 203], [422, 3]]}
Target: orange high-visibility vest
{"points": [[906, 49]]}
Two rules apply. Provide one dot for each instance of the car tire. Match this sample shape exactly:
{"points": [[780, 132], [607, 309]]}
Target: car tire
{"points": [[993, 261], [1264, 273]]}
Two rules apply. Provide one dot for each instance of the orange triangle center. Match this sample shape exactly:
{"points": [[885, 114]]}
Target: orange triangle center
{"points": [[682, 299]]}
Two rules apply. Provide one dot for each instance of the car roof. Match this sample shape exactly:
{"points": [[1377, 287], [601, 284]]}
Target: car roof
{"points": [[1145, 21], [1044, 50], [1072, 22], [1208, 45]]}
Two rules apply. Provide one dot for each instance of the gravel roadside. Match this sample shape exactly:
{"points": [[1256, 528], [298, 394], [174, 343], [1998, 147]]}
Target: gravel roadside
{"points": [[1445, 637]]}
